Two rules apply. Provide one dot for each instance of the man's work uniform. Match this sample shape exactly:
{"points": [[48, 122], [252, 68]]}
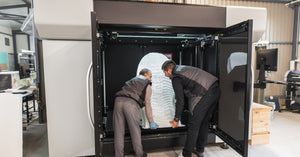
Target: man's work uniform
{"points": [[135, 94], [202, 92]]}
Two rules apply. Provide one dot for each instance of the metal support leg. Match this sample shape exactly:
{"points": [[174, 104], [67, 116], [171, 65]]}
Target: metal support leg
{"points": [[295, 33], [22, 107], [27, 111], [224, 146], [259, 95], [33, 101]]}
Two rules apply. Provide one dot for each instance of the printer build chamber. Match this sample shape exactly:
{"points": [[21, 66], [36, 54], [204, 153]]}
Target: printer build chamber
{"points": [[125, 55], [120, 53], [119, 48]]}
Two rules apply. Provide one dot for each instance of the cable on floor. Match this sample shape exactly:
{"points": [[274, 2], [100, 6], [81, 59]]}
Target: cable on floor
{"points": [[33, 119]]}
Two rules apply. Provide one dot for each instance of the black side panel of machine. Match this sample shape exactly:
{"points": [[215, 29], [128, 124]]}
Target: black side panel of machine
{"points": [[209, 61], [235, 84], [188, 56], [121, 62], [210, 58]]}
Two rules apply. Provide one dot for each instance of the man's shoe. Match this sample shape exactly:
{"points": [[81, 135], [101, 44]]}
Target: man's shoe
{"points": [[186, 153], [144, 155], [199, 154], [199, 149]]}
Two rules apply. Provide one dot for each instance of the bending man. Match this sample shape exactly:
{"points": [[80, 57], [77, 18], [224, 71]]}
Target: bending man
{"points": [[135, 94], [202, 91]]}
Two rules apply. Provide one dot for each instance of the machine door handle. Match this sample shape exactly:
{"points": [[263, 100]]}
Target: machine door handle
{"points": [[88, 94]]}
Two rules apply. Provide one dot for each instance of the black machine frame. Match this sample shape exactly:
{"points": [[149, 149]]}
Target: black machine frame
{"points": [[165, 137]]}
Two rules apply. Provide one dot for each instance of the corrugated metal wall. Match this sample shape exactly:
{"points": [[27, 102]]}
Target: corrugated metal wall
{"points": [[279, 30]]}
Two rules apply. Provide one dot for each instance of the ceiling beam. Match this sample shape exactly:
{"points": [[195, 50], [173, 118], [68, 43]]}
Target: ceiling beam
{"points": [[16, 19], [13, 6], [293, 4], [184, 1], [10, 18], [26, 2], [12, 15], [272, 1]]}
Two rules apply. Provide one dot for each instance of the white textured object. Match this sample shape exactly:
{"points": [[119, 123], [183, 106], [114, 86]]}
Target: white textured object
{"points": [[162, 99]]}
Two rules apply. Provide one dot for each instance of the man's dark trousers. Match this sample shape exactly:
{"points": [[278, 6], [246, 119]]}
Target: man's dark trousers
{"points": [[198, 121]]}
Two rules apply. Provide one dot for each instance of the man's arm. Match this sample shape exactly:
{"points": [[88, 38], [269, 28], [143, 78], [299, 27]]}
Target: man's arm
{"points": [[148, 107], [179, 96]]}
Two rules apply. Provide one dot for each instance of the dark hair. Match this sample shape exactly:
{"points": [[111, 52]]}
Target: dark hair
{"points": [[169, 64], [144, 71]]}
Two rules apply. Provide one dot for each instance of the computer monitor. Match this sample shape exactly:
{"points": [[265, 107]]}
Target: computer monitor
{"points": [[268, 58], [5, 81], [24, 70]]}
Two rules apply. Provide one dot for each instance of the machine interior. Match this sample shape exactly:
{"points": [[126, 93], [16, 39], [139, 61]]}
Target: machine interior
{"points": [[124, 50]]}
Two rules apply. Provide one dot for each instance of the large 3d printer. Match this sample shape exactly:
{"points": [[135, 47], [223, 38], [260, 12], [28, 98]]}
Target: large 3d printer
{"points": [[120, 39]]}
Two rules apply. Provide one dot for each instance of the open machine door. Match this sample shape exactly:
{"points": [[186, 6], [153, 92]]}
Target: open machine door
{"points": [[97, 58], [235, 83]]}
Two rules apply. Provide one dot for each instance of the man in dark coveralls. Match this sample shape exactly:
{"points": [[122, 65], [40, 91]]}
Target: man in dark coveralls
{"points": [[203, 93], [135, 94]]}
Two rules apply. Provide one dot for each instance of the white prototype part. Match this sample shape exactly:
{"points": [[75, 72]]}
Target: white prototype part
{"points": [[162, 99]]}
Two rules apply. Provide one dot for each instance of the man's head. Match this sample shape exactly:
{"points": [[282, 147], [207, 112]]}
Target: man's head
{"points": [[147, 73], [167, 68]]}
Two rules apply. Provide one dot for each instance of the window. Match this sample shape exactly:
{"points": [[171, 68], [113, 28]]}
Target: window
{"points": [[6, 41]]}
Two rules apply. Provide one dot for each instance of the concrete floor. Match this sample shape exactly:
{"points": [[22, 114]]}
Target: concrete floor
{"points": [[284, 141], [35, 140]]}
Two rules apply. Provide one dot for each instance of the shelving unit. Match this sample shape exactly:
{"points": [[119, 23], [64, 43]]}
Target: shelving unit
{"points": [[27, 57]]}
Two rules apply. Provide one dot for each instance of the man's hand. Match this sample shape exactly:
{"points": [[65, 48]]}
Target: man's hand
{"points": [[174, 124], [153, 125]]}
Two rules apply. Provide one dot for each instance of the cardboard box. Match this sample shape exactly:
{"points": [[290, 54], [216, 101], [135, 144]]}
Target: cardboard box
{"points": [[3, 67]]}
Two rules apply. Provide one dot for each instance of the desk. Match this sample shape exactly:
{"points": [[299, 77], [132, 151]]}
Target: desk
{"points": [[28, 96], [11, 133]]}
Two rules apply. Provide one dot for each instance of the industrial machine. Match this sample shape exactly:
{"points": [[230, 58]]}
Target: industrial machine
{"points": [[120, 40], [292, 90], [67, 45]]}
